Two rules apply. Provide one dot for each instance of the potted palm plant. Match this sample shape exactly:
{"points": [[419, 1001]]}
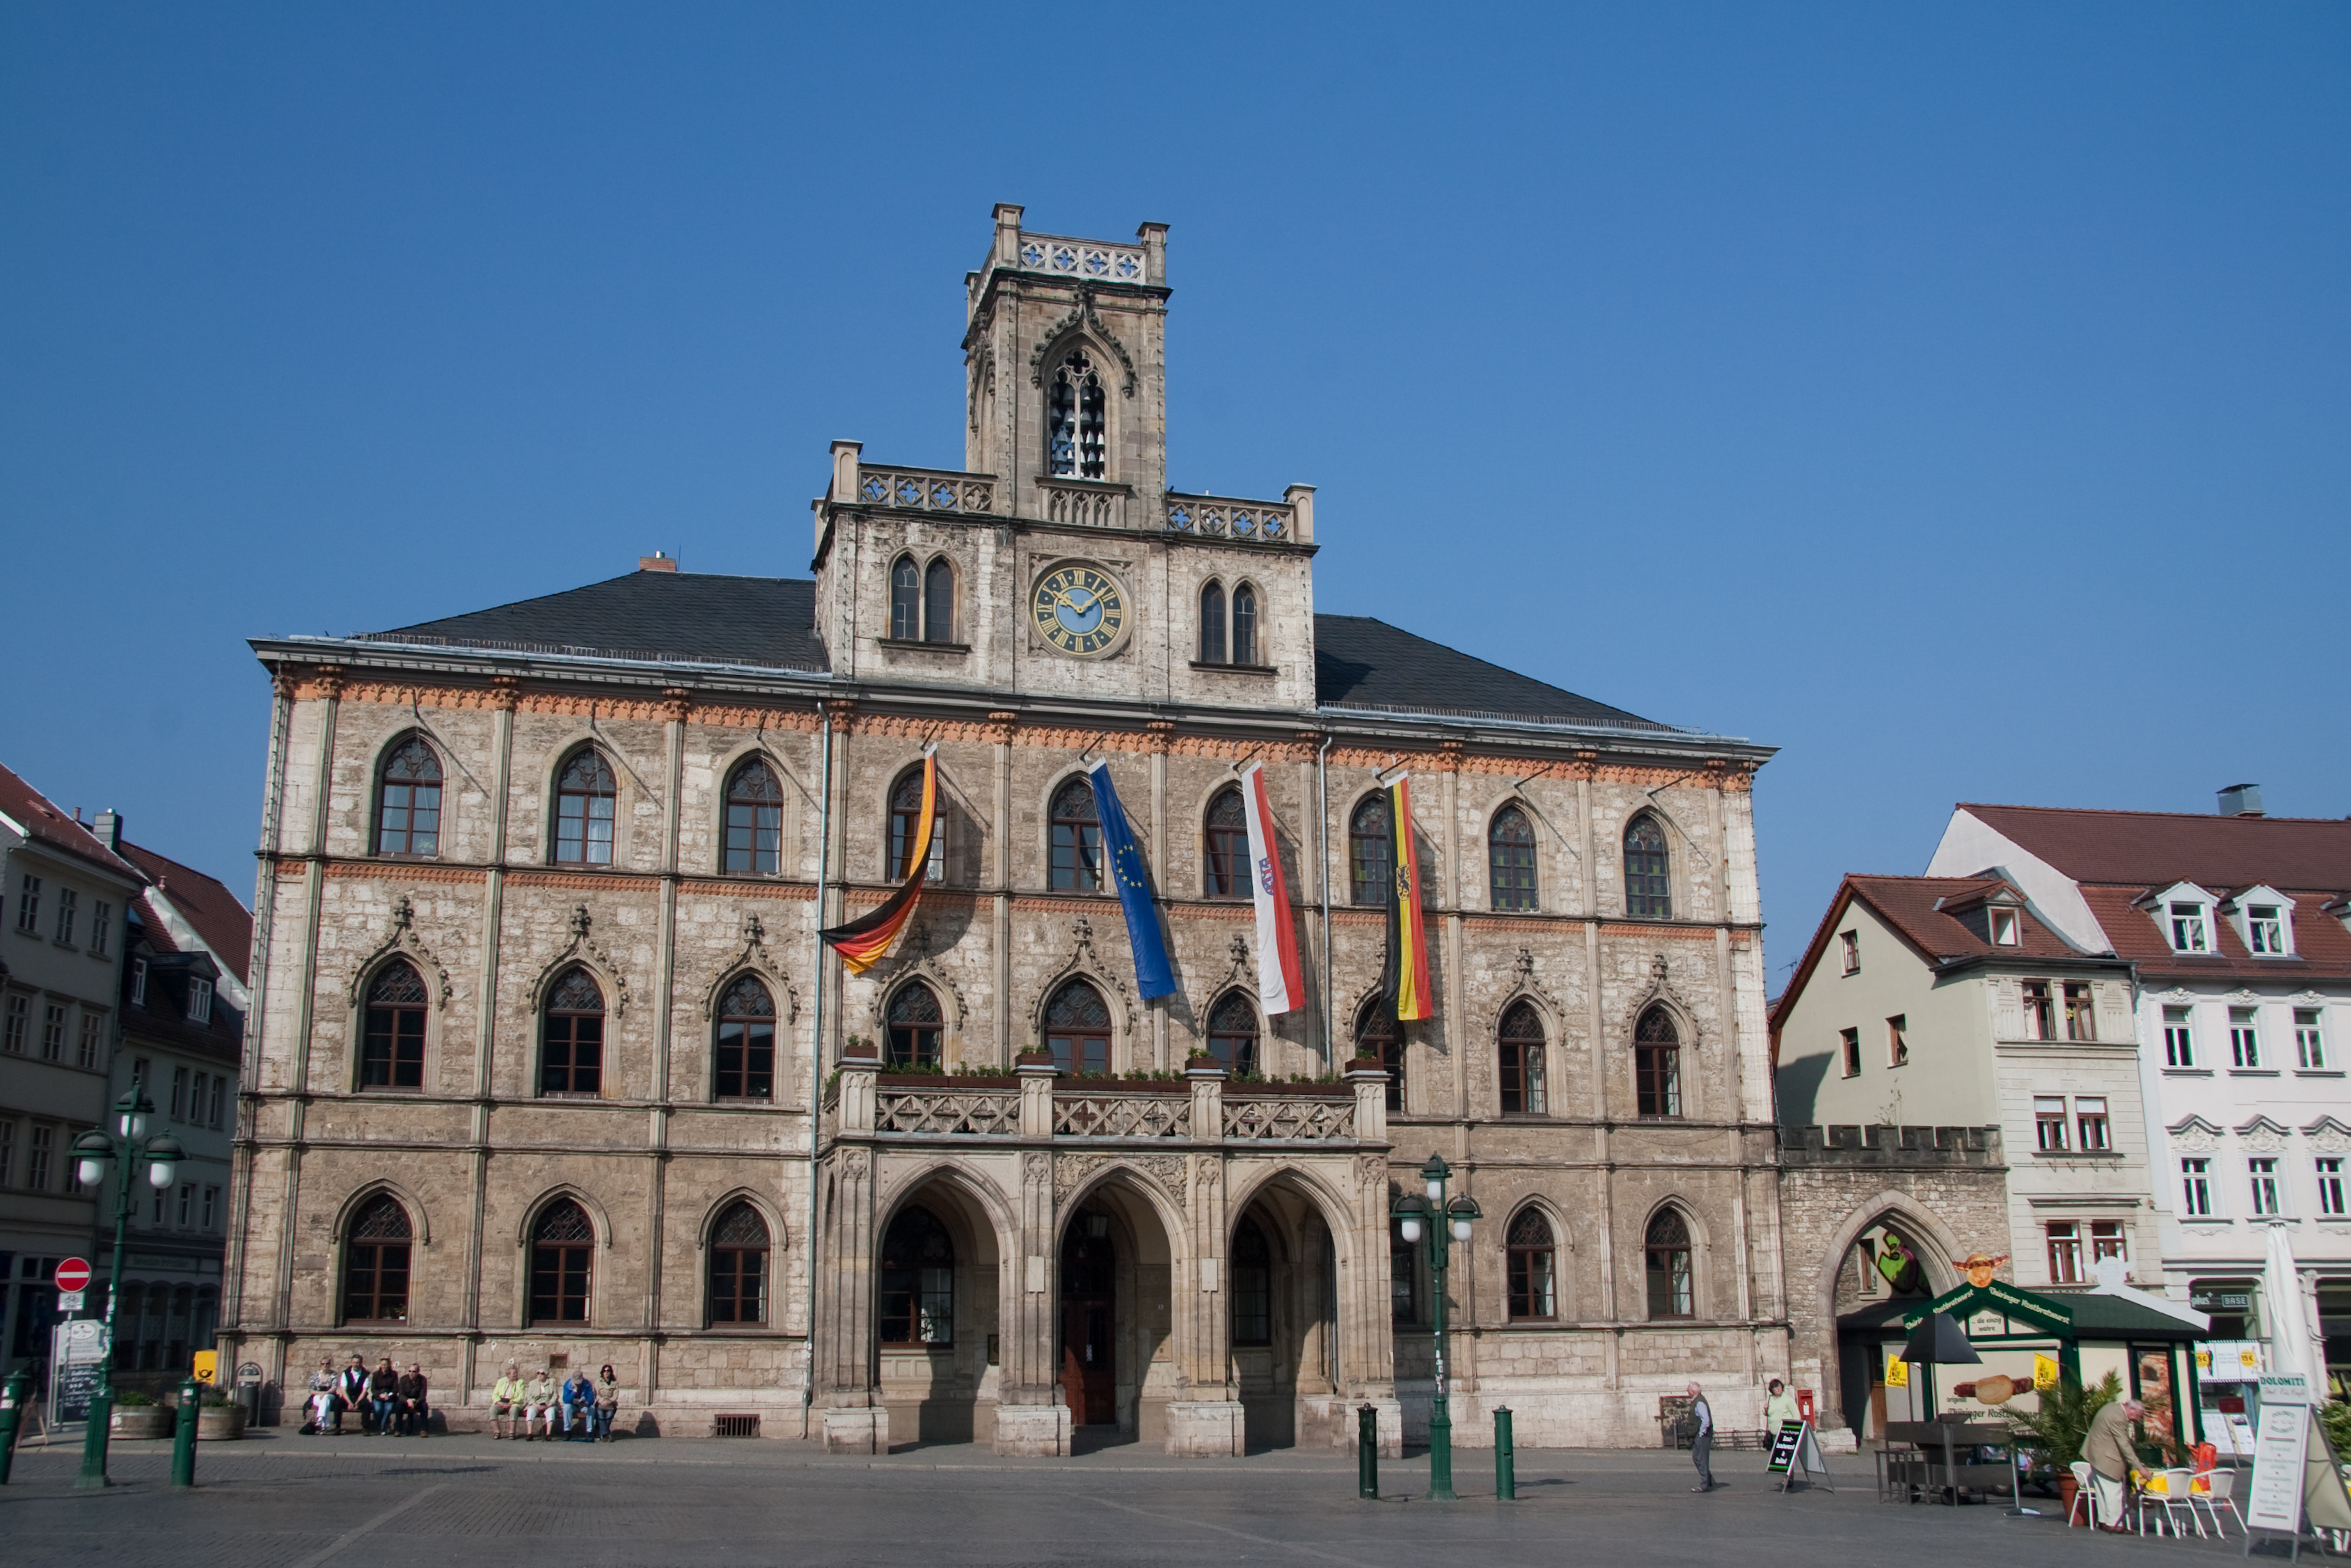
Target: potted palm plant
{"points": [[2060, 1425]]}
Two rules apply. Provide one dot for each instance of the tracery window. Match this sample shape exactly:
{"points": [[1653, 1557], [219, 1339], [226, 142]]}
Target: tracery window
{"points": [[1521, 1049], [905, 600], [906, 822], [1244, 624], [1657, 1064], [1075, 442], [586, 794], [1533, 1290], [746, 1044], [1649, 894], [917, 1280], [938, 603], [571, 1037], [1227, 862], [1077, 838], [1232, 1032], [1371, 857], [391, 1051], [917, 1027], [739, 1267], [375, 1263], [1510, 859], [1252, 1285], [1212, 624], [1076, 1029], [408, 800], [562, 1263], [755, 820], [1668, 1249], [1378, 1034]]}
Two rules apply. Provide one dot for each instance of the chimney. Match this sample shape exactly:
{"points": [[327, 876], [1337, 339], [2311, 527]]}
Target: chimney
{"points": [[656, 562], [2241, 801], [107, 828]]}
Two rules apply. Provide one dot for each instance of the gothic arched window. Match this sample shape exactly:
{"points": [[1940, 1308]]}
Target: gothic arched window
{"points": [[746, 1062], [1244, 624], [938, 601], [1232, 1032], [1077, 838], [375, 1262], [1212, 624], [1510, 859], [1075, 439], [905, 600], [572, 1036], [1076, 1029], [755, 820], [739, 1267], [586, 795], [408, 800], [1532, 1270], [1522, 1050], [917, 1027], [1252, 1285], [391, 1054], [562, 1263], [1668, 1248], [906, 820], [1378, 1034], [917, 1280], [1649, 892], [1371, 857], [1657, 1064], [1227, 862]]}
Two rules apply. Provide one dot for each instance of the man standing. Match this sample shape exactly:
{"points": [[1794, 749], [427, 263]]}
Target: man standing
{"points": [[2108, 1450], [1702, 1445]]}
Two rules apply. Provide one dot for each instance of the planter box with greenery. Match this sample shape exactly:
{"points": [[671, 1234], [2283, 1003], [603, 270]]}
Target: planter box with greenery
{"points": [[136, 1415]]}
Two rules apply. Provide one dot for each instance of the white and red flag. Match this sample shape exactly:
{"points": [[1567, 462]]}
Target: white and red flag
{"points": [[1279, 985]]}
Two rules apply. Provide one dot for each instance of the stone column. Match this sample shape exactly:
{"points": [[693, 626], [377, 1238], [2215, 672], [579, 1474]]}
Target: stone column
{"points": [[1032, 1422], [1205, 1419], [854, 1419]]}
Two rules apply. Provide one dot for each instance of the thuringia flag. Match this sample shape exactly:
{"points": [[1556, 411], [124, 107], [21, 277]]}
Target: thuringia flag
{"points": [[1408, 965], [1277, 983], [862, 941]]}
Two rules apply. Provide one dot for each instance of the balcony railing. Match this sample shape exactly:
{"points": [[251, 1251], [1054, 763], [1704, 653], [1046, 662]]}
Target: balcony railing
{"points": [[1082, 258], [926, 489], [1036, 1104], [1213, 518]]}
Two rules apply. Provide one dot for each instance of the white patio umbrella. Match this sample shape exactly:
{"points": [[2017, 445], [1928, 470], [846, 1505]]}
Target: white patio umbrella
{"points": [[2290, 1347]]}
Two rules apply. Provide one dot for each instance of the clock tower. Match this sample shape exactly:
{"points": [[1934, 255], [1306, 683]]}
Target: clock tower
{"points": [[1057, 562]]}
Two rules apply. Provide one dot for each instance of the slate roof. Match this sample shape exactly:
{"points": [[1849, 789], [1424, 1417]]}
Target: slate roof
{"points": [[2156, 848], [1360, 662], [41, 821], [226, 925]]}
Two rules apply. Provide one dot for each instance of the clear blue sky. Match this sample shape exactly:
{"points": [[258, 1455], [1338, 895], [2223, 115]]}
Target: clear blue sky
{"points": [[1954, 397]]}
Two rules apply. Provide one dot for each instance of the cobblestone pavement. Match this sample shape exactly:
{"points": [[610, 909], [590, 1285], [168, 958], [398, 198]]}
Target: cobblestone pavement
{"points": [[293, 1503]]}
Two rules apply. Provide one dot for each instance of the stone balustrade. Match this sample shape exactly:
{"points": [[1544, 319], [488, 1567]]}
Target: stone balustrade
{"points": [[1086, 502], [1088, 258], [1287, 521], [926, 489], [1035, 1104]]}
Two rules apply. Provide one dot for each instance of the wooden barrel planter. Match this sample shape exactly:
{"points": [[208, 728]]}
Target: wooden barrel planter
{"points": [[218, 1422], [142, 1421]]}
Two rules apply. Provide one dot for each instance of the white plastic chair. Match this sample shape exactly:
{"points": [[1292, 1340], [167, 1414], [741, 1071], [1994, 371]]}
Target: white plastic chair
{"points": [[2175, 1497], [2086, 1494], [2216, 1488]]}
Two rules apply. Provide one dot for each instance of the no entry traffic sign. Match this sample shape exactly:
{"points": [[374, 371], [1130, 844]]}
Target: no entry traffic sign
{"points": [[73, 1274]]}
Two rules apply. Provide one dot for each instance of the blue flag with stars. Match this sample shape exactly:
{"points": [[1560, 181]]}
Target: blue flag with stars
{"points": [[1123, 861]]}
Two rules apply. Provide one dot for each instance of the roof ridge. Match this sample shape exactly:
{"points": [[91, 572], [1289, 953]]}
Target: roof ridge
{"points": [[2135, 811]]}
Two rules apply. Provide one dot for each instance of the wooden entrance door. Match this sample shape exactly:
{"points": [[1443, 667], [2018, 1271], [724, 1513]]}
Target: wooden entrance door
{"points": [[1088, 1362]]}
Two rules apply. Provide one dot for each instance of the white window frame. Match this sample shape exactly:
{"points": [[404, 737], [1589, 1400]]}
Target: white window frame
{"points": [[2246, 1038], [2270, 937], [2178, 1048], [2196, 1187], [199, 1000], [2262, 1186], [2189, 931], [2004, 928], [2310, 1038], [2050, 1136], [2082, 1115], [2328, 1170]]}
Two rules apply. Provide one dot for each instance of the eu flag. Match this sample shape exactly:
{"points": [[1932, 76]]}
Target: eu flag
{"points": [[1124, 861]]}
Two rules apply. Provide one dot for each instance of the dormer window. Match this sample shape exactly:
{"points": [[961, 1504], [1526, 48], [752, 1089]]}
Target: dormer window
{"points": [[2264, 921], [2003, 927], [2188, 933], [199, 1000], [2265, 932], [1075, 439]]}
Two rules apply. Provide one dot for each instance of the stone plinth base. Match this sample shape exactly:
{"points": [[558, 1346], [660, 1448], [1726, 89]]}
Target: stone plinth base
{"points": [[857, 1431], [1205, 1428], [1839, 1440], [1033, 1431], [1330, 1421]]}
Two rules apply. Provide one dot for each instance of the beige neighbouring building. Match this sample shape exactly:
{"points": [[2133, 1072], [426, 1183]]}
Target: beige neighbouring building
{"points": [[548, 1061]]}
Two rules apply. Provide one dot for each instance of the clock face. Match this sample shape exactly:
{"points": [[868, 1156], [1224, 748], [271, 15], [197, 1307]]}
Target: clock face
{"points": [[1080, 610]]}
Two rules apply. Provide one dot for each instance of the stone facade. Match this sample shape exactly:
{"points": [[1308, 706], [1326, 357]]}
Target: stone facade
{"points": [[1164, 1174]]}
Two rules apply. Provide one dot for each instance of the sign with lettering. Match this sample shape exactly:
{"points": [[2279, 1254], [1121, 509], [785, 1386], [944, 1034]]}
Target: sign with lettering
{"points": [[2274, 1502], [1783, 1446]]}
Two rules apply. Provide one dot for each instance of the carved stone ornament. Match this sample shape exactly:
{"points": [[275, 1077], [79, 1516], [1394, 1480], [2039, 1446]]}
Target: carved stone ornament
{"points": [[887, 982], [1086, 962], [583, 947], [2328, 1136], [1084, 314], [1522, 983], [1663, 990], [755, 958], [1036, 1169], [1371, 1170], [1237, 973], [2179, 994], [1071, 1172], [2243, 998], [2264, 1134], [983, 379], [2196, 1136], [404, 941]]}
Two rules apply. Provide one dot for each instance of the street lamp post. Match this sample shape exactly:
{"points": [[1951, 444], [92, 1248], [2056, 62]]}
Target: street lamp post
{"points": [[126, 1148], [1445, 1223]]}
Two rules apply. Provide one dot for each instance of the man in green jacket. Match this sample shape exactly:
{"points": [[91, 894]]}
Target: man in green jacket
{"points": [[2108, 1450]]}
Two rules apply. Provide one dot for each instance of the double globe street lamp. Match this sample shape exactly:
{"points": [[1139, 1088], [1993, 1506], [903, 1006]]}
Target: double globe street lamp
{"points": [[1445, 1223], [125, 1149]]}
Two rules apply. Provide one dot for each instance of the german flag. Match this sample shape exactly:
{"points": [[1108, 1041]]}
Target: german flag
{"points": [[1408, 964], [862, 942]]}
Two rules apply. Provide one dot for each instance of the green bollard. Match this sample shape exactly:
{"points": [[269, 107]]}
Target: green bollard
{"points": [[1367, 1453], [184, 1439], [12, 1413], [1505, 1457]]}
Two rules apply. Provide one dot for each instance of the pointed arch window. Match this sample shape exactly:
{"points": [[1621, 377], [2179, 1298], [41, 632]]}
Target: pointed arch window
{"points": [[1076, 444], [562, 1264], [938, 601], [905, 600], [586, 797], [1521, 1049], [375, 1262], [1252, 1285], [746, 1062], [1212, 624], [1534, 1276], [917, 1028], [1668, 1248], [1076, 1029], [1648, 887], [1232, 1033], [739, 1267], [1378, 1034], [1510, 859], [408, 800], [1077, 838], [391, 1052], [572, 1036], [1371, 856], [917, 1280], [1657, 1064], [755, 820], [1226, 830], [906, 822], [1244, 624]]}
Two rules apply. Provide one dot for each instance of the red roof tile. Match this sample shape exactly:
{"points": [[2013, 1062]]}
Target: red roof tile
{"points": [[204, 903], [2155, 849], [42, 821], [2321, 944]]}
